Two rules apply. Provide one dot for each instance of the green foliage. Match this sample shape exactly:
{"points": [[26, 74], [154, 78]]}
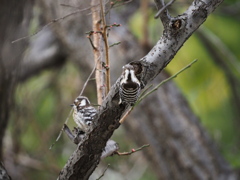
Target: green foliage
{"points": [[42, 106], [226, 28], [154, 27], [206, 85], [42, 103]]}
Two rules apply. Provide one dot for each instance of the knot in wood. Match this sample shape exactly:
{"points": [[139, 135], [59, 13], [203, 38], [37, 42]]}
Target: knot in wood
{"points": [[177, 24]]}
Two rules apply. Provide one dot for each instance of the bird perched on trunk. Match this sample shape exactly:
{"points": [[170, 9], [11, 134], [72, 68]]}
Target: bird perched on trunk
{"points": [[83, 113], [130, 86]]}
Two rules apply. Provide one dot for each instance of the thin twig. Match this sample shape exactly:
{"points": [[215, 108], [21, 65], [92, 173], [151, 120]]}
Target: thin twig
{"points": [[71, 111], [114, 44], [89, 38], [132, 151], [92, 79], [164, 81], [118, 4], [145, 93], [126, 114], [68, 5], [163, 8], [88, 79], [50, 23], [103, 172], [60, 133], [56, 20], [145, 90]]}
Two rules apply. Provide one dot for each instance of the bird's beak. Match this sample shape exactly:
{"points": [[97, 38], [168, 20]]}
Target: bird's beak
{"points": [[71, 105]]}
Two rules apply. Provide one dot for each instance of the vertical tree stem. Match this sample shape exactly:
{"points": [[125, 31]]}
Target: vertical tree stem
{"points": [[96, 24], [105, 38]]}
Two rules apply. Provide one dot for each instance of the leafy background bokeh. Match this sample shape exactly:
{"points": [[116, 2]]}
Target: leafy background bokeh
{"points": [[205, 85], [42, 103]]}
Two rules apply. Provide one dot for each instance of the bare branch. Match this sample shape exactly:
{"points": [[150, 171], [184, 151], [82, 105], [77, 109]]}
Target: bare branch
{"points": [[90, 40], [103, 172], [88, 79], [60, 133], [86, 157], [126, 115], [163, 12], [119, 3], [105, 39], [145, 93], [65, 128], [50, 23], [164, 81], [163, 8], [132, 151], [98, 51], [114, 44]]}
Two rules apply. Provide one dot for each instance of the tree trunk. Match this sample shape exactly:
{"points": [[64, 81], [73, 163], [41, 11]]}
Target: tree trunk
{"points": [[14, 19]]}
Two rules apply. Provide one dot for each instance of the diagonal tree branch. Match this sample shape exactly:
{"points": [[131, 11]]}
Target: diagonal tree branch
{"points": [[177, 30], [163, 12]]}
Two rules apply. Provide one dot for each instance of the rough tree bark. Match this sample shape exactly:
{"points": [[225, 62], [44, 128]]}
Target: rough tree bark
{"points": [[177, 30], [149, 123]]}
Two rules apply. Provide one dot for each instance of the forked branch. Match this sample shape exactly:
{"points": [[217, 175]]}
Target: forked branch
{"points": [[177, 30]]}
